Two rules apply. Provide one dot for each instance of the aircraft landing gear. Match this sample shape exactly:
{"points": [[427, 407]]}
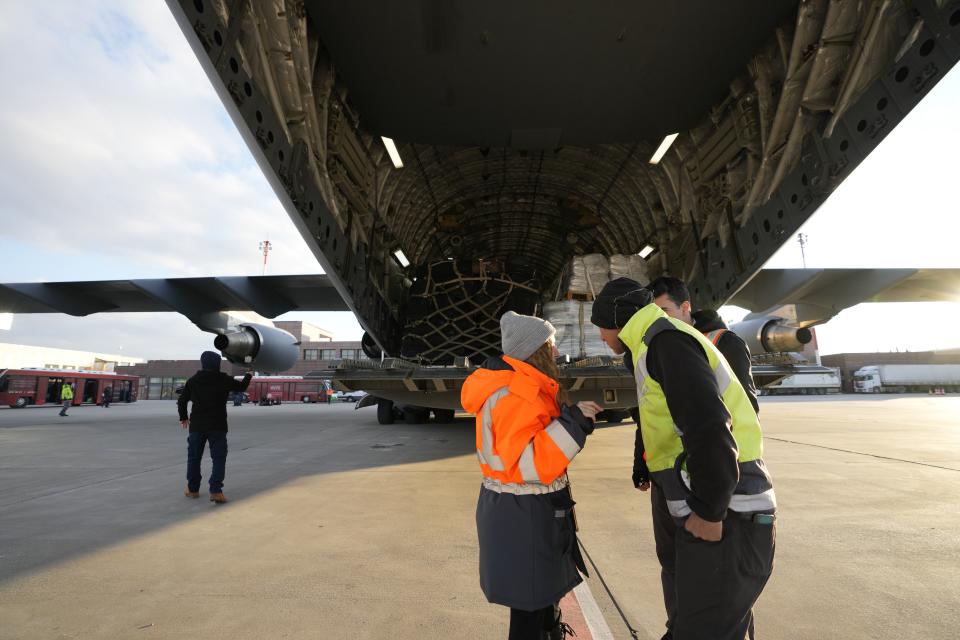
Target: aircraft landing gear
{"points": [[385, 414]]}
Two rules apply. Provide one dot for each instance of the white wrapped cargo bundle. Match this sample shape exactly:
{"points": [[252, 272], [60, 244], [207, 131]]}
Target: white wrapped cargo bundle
{"points": [[576, 336], [588, 274], [628, 266]]}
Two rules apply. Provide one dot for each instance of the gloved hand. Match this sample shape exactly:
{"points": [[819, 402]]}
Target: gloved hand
{"points": [[641, 474], [574, 414]]}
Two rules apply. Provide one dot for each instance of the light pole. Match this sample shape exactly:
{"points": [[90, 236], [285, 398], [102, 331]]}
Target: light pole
{"points": [[802, 239], [265, 246]]}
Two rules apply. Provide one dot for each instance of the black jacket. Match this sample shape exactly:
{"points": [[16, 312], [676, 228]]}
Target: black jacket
{"points": [[737, 355], [680, 365], [209, 390], [733, 348]]}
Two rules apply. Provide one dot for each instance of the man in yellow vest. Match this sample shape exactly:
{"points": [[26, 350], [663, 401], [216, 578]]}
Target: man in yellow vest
{"points": [[66, 396], [713, 501]]}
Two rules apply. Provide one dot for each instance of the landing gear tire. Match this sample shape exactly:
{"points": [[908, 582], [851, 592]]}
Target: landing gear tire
{"points": [[444, 416], [385, 413], [369, 347]]}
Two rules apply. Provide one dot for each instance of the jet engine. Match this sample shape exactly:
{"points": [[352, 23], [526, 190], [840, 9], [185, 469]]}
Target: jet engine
{"points": [[770, 334], [267, 348]]}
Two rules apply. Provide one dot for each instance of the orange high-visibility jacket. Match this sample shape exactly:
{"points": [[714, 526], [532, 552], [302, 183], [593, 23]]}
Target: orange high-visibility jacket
{"points": [[521, 436]]}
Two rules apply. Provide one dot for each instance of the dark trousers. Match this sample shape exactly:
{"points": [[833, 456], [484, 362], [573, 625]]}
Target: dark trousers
{"points": [[106, 402], [66, 405], [531, 625], [218, 454], [709, 588]]}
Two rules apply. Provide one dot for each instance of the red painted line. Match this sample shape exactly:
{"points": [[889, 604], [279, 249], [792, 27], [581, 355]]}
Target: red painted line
{"points": [[573, 616]]}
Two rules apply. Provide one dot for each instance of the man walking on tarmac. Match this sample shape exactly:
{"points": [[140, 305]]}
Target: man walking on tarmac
{"points": [[66, 396], [713, 501], [671, 295], [208, 389]]}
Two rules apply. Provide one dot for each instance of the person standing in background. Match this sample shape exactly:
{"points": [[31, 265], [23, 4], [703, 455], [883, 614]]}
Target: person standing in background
{"points": [[66, 397], [208, 390]]}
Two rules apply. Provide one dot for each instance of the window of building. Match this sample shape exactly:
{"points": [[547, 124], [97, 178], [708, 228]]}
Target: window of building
{"points": [[154, 388], [328, 354], [350, 354], [311, 354]]}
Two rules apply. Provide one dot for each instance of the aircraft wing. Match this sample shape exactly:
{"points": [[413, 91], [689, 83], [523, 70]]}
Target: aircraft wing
{"points": [[268, 296], [820, 294]]}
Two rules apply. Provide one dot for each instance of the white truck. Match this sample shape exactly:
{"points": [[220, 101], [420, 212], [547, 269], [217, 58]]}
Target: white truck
{"points": [[907, 378], [805, 384]]}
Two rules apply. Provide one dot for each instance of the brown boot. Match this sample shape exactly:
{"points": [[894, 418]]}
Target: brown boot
{"points": [[191, 494], [219, 498]]}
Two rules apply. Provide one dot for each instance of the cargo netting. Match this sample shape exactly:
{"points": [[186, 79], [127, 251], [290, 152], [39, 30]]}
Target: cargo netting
{"points": [[455, 307]]}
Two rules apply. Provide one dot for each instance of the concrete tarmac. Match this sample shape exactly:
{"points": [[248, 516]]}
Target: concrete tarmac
{"points": [[342, 528]]}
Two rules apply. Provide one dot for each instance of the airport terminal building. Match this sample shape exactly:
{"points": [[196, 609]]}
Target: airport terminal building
{"points": [[21, 356]]}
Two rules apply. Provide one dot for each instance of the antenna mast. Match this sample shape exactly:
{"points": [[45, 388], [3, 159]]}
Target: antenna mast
{"points": [[265, 247]]}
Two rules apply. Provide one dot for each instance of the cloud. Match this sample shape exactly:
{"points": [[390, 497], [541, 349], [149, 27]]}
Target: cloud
{"points": [[119, 161], [115, 142], [160, 336]]}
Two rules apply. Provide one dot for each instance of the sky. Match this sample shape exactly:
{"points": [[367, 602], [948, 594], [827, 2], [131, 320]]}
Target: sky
{"points": [[117, 160]]}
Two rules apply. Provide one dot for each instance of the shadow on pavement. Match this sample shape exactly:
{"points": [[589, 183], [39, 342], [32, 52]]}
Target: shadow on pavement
{"points": [[101, 476]]}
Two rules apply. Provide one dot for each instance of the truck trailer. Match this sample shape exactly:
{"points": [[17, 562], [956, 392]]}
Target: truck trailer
{"points": [[805, 384], [907, 378]]}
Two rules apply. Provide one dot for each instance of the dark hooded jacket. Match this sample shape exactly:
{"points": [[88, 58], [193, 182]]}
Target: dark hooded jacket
{"points": [[733, 348], [209, 390]]}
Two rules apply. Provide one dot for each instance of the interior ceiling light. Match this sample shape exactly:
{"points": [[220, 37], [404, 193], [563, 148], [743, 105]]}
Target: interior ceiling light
{"points": [[402, 259], [646, 251], [662, 149], [392, 151]]}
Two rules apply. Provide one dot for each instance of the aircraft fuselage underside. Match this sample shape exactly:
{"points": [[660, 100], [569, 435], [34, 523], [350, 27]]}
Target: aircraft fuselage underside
{"points": [[820, 86]]}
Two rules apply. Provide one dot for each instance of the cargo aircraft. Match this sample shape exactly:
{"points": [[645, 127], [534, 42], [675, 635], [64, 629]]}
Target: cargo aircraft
{"points": [[444, 160]]}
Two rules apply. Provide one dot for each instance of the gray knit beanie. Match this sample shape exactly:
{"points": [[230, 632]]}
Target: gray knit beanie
{"points": [[521, 335]]}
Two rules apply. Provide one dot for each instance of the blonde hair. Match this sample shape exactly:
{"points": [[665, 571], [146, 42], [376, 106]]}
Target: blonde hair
{"points": [[543, 361]]}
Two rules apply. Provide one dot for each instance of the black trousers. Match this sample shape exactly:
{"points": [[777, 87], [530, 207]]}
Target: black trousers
{"points": [[709, 588], [530, 625]]}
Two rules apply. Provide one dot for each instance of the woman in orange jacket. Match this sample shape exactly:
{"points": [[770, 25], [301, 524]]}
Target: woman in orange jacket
{"points": [[527, 435]]}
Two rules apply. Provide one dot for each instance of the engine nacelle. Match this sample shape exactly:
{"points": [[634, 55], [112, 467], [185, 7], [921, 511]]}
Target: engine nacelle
{"points": [[269, 348], [771, 334]]}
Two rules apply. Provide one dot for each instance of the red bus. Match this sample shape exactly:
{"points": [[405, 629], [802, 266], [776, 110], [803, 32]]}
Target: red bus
{"points": [[277, 389], [23, 387]]}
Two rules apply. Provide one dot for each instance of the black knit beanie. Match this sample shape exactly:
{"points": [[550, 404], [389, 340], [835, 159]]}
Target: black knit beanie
{"points": [[618, 301], [210, 361]]}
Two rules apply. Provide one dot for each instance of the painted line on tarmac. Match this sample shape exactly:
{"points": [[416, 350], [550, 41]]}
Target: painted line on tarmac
{"points": [[572, 615], [861, 453], [597, 625]]}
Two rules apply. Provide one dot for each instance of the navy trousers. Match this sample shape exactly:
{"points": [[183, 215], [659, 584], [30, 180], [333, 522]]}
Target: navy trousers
{"points": [[218, 454], [709, 588]]}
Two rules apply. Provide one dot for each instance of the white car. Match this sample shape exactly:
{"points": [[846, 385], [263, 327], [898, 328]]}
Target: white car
{"points": [[349, 396]]}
